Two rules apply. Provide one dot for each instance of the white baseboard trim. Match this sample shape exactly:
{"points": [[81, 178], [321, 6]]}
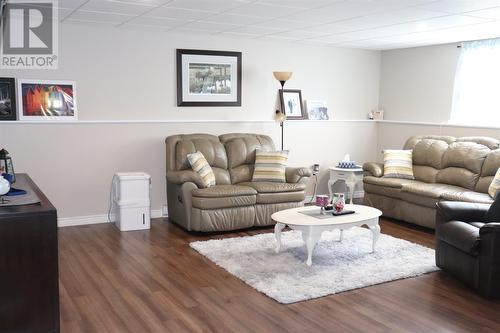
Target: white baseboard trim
{"points": [[95, 219]]}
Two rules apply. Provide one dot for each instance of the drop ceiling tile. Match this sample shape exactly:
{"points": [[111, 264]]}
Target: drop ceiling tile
{"points": [[460, 6], [89, 23], [157, 21], [248, 29], [308, 4], [233, 19], [210, 27], [116, 7], [153, 3], [283, 24], [182, 30], [297, 34], [208, 5], [141, 27], [343, 11], [71, 4], [491, 13], [112, 18], [238, 34], [263, 10], [177, 13]]}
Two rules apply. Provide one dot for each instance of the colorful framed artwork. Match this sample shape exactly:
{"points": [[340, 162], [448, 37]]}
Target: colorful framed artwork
{"points": [[317, 110], [47, 100], [291, 103], [8, 99], [208, 78]]}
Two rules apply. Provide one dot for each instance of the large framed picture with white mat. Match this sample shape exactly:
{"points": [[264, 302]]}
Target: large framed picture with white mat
{"points": [[208, 78]]}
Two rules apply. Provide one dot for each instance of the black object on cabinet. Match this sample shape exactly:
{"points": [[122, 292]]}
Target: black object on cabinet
{"points": [[29, 278]]}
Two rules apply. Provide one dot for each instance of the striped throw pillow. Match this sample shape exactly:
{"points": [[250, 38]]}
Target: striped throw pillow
{"points": [[200, 165], [270, 166], [398, 164], [495, 185]]}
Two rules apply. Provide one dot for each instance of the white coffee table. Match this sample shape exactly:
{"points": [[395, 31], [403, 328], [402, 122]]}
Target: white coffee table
{"points": [[312, 226]]}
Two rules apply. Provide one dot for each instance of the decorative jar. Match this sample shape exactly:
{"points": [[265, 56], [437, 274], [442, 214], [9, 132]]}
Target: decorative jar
{"points": [[338, 202]]}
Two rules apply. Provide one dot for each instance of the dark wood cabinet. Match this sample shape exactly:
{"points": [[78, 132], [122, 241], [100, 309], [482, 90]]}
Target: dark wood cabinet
{"points": [[29, 278]]}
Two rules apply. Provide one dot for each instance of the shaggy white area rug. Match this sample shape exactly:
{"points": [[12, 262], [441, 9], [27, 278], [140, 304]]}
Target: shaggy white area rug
{"points": [[337, 266]]}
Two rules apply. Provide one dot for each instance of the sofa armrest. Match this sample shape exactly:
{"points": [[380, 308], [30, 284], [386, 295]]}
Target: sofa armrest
{"points": [[460, 211], [184, 176], [297, 175], [489, 260], [373, 169]]}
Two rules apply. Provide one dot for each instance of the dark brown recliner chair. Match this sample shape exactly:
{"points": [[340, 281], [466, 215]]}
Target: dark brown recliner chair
{"points": [[468, 244]]}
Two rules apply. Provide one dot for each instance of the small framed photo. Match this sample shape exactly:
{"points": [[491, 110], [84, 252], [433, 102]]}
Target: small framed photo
{"points": [[8, 99], [291, 103], [317, 110], [208, 78], [47, 100]]}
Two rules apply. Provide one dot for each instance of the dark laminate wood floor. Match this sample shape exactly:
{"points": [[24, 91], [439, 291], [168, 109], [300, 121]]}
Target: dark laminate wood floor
{"points": [[152, 281]]}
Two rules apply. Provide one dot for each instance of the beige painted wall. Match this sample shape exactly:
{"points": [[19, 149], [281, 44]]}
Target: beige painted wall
{"points": [[130, 75], [124, 74], [74, 164], [416, 84]]}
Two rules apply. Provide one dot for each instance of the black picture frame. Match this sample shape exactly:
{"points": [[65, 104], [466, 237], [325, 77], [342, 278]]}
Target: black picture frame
{"points": [[181, 93], [8, 92], [286, 110]]}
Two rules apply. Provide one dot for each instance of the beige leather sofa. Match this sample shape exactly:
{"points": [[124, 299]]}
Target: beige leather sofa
{"points": [[235, 202], [445, 168]]}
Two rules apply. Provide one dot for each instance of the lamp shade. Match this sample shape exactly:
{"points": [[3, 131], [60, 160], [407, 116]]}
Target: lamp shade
{"points": [[280, 116], [282, 76]]}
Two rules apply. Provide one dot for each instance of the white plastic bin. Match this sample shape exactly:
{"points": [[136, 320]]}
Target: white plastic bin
{"points": [[131, 199]]}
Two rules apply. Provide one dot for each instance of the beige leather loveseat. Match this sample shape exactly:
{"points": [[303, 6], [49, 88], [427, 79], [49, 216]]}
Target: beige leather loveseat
{"points": [[445, 168], [235, 202]]}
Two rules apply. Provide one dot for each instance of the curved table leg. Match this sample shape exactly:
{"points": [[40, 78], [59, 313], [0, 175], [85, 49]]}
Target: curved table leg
{"points": [[310, 236], [376, 233], [277, 234]]}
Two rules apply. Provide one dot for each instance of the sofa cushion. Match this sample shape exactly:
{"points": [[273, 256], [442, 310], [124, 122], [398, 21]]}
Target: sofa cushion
{"points": [[270, 166], [467, 196], [268, 198], [200, 165], [398, 164], [462, 163], [430, 190], [460, 235], [427, 195], [223, 202], [208, 145], [495, 185], [491, 143], [271, 187], [221, 191], [425, 173], [429, 152], [488, 171], [388, 182], [386, 191], [241, 147]]}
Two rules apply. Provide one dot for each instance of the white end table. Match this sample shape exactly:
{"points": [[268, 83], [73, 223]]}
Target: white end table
{"points": [[312, 227], [350, 176]]}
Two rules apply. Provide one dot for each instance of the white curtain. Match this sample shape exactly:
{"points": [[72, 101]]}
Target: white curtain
{"points": [[476, 95]]}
